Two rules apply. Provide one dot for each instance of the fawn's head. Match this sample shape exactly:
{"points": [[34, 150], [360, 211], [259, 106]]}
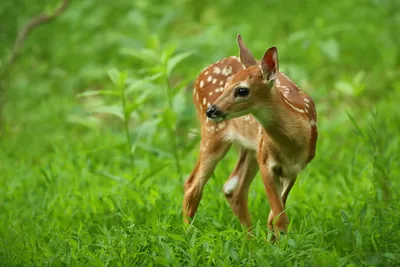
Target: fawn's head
{"points": [[249, 89]]}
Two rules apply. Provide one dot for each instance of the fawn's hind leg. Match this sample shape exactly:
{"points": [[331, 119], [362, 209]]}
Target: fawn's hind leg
{"points": [[237, 186]]}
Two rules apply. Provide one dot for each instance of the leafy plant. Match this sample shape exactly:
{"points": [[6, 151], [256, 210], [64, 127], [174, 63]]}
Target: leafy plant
{"points": [[133, 93]]}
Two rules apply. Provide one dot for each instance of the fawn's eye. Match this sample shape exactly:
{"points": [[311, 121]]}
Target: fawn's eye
{"points": [[242, 92]]}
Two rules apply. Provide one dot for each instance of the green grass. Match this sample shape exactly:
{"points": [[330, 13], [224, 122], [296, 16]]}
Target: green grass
{"points": [[97, 180]]}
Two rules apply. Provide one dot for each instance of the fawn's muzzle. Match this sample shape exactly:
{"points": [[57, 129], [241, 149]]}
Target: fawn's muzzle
{"points": [[214, 113]]}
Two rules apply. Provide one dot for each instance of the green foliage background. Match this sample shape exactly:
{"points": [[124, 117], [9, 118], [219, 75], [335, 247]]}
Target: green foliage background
{"points": [[100, 133]]}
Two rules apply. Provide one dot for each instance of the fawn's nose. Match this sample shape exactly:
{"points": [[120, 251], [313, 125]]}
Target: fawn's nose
{"points": [[213, 112]]}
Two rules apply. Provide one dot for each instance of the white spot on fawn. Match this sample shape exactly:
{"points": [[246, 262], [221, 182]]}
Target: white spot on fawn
{"points": [[227, 70], [204, 101], [306, 100], [204, 146], [221, 82], [209, 78], [313, 123], [210, 93], [293, 107], [216, 70], [201, 84], [214, 81], [231, 185], [206, 73], [287, 90], [221, 125]]}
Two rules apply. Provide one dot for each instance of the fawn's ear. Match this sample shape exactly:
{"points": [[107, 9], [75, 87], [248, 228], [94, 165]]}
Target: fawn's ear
{"points": [[246, 57], [269, 64]]}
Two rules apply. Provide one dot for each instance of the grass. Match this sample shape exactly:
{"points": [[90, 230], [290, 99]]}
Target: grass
{"points": [[93, 161]]}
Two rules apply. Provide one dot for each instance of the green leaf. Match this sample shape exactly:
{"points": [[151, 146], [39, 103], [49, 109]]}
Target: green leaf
{"points": [[355, 124], [93, 93], [175, 60], [358, 238], [143, 97], [114, 76], [344, 216], [89, 122], [167, 53], [148, 127], [358, 78], [141, 86], [154, 42], [362, 213], [146, 55], [178, 238], [374, 243], [154, 77], [122, 79], [345, 87], [135, 144], [178, 104], [155, 150], [331, 49], [112, 110], [358, 83], [298, 36], [169, 117], [390, 255], [292, 243]]}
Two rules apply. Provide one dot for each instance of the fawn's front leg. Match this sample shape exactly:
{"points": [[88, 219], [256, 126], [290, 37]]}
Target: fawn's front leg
{"points": [[273, 189], [286, 185]]}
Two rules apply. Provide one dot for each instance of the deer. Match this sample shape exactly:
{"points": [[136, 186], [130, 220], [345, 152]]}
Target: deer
{"points": [[251, 103]]}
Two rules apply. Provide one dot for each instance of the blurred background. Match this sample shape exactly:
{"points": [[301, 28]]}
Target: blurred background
{"points": [[344, 54], [97, 116]]}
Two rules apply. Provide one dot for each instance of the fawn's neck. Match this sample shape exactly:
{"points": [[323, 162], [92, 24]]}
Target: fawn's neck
{"points": [[286, 128]]}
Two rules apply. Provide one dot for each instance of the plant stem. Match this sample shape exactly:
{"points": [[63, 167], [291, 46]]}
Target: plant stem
{"points": [[126, 126], [173, 132]]}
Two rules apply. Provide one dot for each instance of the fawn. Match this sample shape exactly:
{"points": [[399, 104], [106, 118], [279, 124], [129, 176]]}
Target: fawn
{"points": [[275, 123]]}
